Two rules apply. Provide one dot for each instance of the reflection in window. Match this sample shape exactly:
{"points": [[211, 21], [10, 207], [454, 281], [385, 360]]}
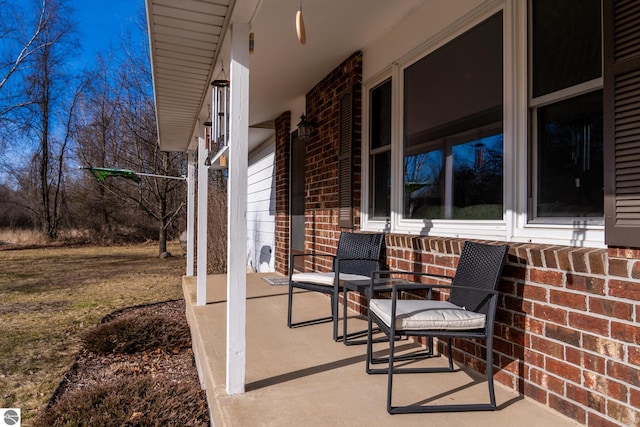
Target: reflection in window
{"points": [[566, 110], [475, 177], [570, 158], [453, 142]]}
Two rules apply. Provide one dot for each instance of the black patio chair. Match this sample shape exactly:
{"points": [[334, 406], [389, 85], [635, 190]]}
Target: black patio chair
{"points": [[357, 256], [468, 313]]}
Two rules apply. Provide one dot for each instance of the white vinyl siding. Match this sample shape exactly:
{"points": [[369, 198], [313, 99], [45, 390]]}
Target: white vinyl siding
{"points": [[261, 208]]}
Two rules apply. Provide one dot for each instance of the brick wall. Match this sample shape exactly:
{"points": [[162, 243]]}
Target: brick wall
{"points": [[321, 174], [567, 333], [283, 131], [321, 183]]}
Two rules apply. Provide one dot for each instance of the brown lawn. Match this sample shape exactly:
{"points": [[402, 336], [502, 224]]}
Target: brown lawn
{"points": [[50, 296]]}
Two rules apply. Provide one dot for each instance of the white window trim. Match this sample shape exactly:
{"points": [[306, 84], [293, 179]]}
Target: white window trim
{"points": [[514, 227], [587, 232], [368, 222]]}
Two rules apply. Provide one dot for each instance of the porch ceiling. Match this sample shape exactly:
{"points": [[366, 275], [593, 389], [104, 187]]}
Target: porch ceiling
{"points": [[188, 41], [185, 38]]}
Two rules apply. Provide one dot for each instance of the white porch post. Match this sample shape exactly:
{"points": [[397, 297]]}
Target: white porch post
{"points": [[203, 191], [237, 209], [191, 202]]}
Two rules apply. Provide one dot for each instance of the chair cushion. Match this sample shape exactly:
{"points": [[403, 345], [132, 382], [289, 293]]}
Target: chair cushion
{"points": [[427, 314], [325, 278]]}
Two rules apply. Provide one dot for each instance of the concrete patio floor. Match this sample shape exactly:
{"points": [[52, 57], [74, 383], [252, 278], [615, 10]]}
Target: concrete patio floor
{"points": [[301, 377]]}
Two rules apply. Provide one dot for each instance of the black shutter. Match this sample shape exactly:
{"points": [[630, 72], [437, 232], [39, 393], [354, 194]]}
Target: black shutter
{"points": [[622, 122], [345, 161]]}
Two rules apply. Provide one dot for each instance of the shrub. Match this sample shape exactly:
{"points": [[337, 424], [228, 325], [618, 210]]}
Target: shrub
{"points": [[132, 401], [134, 334]]}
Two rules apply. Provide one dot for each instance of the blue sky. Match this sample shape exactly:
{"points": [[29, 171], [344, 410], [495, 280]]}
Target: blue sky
{"points": [[101, 24]]}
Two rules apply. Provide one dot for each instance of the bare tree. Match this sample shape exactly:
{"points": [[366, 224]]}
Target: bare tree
{"points": [[46, 87], [118, 129], [98, 138], [162, 199], [20, 39]]}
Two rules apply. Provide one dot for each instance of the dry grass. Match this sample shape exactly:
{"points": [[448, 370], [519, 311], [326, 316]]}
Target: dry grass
{"points": [[50, 297], [20, 237]]}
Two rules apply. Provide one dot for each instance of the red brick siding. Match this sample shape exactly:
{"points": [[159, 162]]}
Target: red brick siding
{"points": [[567, 331], [283, 131], [321, 181]]}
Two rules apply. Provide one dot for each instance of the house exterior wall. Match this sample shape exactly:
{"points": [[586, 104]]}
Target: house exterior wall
{"points": [[321, 204], [282, 222], [567, 332], [261, 208]]}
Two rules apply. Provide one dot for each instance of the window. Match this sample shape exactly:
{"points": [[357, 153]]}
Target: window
{"points": [[380, 151], [566, 110], [453, 137]]}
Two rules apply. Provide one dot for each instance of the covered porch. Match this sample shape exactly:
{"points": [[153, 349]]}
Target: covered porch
{"points": [[301, 377]]}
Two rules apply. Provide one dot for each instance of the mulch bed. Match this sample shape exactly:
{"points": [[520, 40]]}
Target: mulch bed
{"points": [[174, 366]]}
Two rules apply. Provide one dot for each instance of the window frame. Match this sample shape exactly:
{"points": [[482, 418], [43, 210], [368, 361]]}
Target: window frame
{"points": [[515, 225], [534, 104], [370, 152]]}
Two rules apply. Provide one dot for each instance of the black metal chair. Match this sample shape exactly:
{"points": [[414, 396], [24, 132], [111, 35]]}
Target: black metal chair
{"points": [[357, 256], [468, 313]]}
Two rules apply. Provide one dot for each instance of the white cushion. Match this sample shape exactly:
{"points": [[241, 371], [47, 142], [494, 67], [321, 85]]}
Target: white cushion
{"points": [[325, 278], [427, 314]]}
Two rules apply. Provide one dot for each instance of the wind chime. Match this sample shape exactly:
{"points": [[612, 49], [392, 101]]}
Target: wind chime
{"points": [[207, 140], [219, 133], [220, 114]]}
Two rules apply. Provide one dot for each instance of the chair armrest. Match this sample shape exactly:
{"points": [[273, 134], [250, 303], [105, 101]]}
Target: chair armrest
{"points": [[429, 287], [311, 254], [378, 274]]}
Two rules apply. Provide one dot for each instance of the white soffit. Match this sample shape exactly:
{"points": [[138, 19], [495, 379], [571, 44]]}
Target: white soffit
{"points": [[185, 37]]}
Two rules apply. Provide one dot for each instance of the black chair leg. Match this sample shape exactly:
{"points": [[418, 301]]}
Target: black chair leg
{"points": [[369, 345], [290, 306], [392, 349], [344, 316], [334, 314], [492, 394]]}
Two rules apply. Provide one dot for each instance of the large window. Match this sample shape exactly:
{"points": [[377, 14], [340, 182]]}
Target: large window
{"points": [[453, 137], [492, 130], [566, 110]]}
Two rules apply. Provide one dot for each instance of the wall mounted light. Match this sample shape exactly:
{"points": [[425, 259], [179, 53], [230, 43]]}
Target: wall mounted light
{"points": [[304, 129]]}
